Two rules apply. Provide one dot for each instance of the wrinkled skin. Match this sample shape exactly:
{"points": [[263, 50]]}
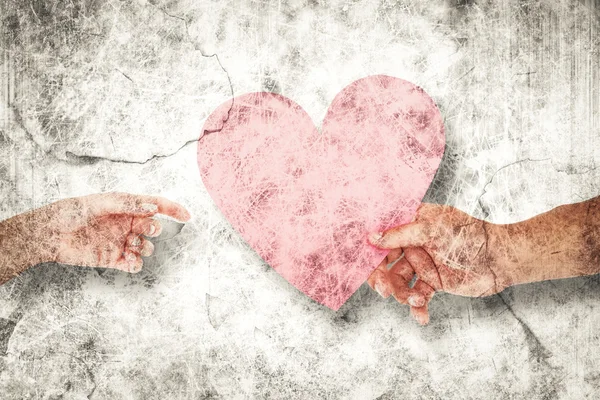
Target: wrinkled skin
{"points": [[102, 230], [447, 250]]}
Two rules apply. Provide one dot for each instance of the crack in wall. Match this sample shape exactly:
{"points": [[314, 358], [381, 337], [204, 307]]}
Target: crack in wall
{"points": [[486, 213], [73, 157], [77, 159], [7, 328], [18, 118], [485, 209], [484, 246], [198, 48], [536, 349]]}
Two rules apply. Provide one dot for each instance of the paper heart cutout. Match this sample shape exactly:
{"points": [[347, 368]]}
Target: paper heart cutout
{"points": [[306, 200]]}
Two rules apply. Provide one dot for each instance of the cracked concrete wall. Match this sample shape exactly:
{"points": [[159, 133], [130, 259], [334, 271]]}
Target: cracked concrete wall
{"points": [[111, 95]]}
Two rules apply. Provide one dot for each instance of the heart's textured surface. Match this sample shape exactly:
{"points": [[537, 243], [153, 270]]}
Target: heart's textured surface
{"points": [[305, 200]]}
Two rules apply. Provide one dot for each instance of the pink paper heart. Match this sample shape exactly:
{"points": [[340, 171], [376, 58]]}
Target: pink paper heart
{"points": [[306, 200]]}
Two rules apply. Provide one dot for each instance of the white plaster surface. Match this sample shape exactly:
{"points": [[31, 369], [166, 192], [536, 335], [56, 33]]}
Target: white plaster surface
{"points": [[111, 95]]}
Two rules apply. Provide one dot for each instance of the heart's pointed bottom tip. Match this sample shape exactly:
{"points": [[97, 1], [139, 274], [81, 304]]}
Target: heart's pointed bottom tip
{"points": [[332, 306]]}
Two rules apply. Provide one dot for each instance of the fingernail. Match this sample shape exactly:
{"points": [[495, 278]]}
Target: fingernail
{"points": [[416, 301], [149, 207], [151, 230], [130, 257], [380, 289], [136, 241], [375, 237], [147, 250]]}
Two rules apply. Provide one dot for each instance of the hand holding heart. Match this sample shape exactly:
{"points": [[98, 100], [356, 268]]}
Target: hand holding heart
{"points": [[306, 200], [446, 250]]}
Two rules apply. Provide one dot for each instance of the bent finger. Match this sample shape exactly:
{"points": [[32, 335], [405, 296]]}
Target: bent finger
{"points": [[403, 273], [423, 266], [394, 255], [420, 314], [129, 262], [375, 274], [133, 243], [147, 248], [379, 280], [406, 295], [138, 245], [146, 226], [425, 289], [404, 269]]}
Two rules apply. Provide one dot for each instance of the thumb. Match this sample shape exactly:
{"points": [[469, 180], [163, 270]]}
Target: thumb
{"points": [[409, 235]]}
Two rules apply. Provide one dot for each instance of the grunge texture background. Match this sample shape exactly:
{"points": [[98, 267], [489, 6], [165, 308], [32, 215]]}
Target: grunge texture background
{"points": [[111, 95]]}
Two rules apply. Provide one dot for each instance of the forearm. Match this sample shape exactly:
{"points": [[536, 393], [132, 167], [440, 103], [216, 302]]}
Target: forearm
{"points": [[561, 243], [19, 246]]}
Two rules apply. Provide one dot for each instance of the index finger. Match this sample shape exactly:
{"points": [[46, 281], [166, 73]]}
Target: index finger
{"points": [[168, 208], [378, 280]]}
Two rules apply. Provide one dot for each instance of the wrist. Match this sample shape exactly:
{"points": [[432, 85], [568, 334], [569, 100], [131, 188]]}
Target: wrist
{"points": [[506, 272], [31, 239], [522, 254], [544, 247], [18, 249], [507, 242]]}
